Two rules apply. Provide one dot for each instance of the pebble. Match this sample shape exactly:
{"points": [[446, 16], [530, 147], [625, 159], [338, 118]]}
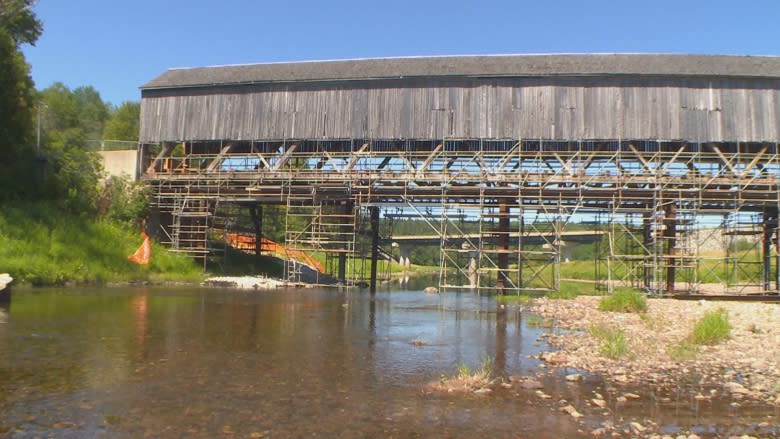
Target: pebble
{"points": [[600, 403], [637, 428], [569, 409], [573, 377]]}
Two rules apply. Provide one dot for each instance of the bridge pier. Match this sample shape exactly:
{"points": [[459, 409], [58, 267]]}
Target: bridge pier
{"points": [[769, 227], [348, 212], [503, 247], [670, 233], [256, 212], [647, 239], [374, 246]]}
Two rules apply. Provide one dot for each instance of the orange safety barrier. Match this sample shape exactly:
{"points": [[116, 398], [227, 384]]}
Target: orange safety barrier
{"points": [[143, 255], [247, 243]]}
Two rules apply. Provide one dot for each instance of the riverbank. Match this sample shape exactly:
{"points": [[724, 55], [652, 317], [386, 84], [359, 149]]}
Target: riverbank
{"points": [[40, 246], [656, 353]]}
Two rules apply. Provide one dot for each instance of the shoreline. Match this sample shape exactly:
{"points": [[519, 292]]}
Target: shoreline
{"points": [[745, 365]]}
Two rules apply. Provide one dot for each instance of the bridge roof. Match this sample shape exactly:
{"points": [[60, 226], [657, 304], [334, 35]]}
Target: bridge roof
{"points": [[568, 65]]}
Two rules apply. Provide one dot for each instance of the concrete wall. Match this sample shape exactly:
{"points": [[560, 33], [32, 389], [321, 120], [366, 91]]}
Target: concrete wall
{"points": [[120, 163]]}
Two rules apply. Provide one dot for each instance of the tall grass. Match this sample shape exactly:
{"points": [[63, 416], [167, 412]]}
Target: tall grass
{"points": [[612, 341], [624, 300], [43, 246], [712, 328]]}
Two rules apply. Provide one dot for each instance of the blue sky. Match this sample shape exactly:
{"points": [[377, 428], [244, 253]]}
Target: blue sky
{"points": [[116, 46]]}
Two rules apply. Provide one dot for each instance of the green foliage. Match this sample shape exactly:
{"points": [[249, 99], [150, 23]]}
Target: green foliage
{"points": [[17, 168], [42, 245], [566, 291], [124, 201], [69, 119], [612, 341], [624, 300], [712, 328], [124, 123], [685, 350], [19, 22]]}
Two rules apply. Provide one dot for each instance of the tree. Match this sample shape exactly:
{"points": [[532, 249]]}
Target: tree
{"points": [[16, 121], [19, 22], [18, 25], [124, 122], [73, 170], [92, 111]]}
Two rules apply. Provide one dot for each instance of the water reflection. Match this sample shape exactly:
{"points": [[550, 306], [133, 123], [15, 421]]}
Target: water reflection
{"points": [[203, 363]]}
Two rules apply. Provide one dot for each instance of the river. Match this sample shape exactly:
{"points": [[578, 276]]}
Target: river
{"points": [[192, 362]]}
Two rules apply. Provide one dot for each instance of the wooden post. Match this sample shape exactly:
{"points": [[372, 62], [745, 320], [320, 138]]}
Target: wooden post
{"points": [[374, 245]]}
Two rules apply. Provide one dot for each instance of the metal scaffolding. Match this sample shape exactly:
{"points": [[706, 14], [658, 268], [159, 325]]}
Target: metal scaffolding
{"points": [[670, 216]]}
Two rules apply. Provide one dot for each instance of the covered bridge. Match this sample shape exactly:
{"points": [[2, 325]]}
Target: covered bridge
{"points": [[655, 143]]}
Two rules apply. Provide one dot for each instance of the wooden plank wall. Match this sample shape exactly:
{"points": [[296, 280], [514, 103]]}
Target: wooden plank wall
{"points": [[696, 110]]}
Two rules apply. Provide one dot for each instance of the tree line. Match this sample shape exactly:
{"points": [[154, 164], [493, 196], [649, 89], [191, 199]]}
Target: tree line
{"points": [[48, 137]]}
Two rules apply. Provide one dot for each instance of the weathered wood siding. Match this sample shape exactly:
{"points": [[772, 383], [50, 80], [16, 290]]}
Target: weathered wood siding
{"points": [[670, 108]]}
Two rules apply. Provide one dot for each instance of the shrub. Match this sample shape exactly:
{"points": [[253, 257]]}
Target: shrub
{"points": [[627, 300], [711, 328]]}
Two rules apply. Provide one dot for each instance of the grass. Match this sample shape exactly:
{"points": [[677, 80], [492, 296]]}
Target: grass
{"points": [[624, 300], [513, 298], [42, 246], [685, 350], [712, 328], [466, 380], [567, 291], [534, 321], [612, 341]]}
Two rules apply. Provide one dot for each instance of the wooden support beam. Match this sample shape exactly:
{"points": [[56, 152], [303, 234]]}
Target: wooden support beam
{"points": [[725, 161], [285, 156], [165, 152], [355, 157], [431, 157], [215, 164]]}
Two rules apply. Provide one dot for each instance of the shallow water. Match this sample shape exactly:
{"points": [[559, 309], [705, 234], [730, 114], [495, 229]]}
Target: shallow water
{"points": [[124, 362]]}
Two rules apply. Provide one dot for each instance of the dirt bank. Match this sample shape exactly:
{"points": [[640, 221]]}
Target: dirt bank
{"points": [[745, 365]]}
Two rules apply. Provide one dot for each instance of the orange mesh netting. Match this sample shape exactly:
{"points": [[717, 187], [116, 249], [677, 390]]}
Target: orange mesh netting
{"points": [[143, 255], [247, 243]]}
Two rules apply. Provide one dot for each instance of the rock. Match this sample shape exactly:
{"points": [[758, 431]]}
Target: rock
{"points": [[573, 377], [600, 403], [506, 385], [569, 409], [637, 428], [431, 290], [621, 399], [483, 391], [599, 432], [542, 395], [531, 383], [736, 388], [620, 379], [631, 395]]}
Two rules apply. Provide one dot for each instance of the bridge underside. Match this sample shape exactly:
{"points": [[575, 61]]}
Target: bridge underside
{"points": [[668, 215]]}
